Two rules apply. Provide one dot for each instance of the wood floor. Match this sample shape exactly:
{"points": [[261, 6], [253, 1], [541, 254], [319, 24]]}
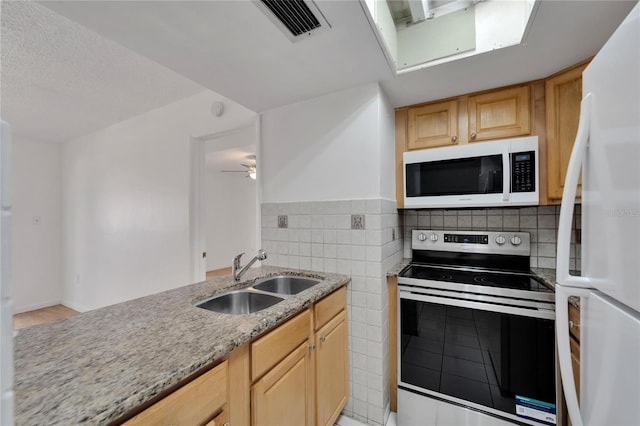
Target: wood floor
{"points": [[52, 313], [218, 272], [42, 316]]}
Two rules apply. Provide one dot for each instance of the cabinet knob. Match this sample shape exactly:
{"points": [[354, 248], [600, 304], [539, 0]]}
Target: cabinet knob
{"points": [[312, 347], [454, 138], [323, 338], [473, 135]]}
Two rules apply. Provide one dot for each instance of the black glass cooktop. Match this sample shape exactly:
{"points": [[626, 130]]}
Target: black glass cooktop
{"points": [[525, 282]]}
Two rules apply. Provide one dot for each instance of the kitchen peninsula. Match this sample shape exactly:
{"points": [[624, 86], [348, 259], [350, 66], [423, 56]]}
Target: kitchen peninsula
{"points": [[102, 366]]}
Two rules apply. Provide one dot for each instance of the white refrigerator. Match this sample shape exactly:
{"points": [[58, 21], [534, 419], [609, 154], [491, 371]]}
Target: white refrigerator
{"points": [[6, 326], [607, 149]]}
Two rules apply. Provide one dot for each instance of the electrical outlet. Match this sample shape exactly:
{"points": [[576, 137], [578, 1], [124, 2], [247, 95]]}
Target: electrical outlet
{"points": [[283, 221], [357, 221]]}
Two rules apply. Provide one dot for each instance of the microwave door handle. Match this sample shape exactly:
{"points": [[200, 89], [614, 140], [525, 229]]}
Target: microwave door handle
{"points": [[506, 175]]}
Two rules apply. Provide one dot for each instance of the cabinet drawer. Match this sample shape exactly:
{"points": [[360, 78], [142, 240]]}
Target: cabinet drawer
{"points": [[574, 322], [329, 307], [221, 419], [194, 403], [273, 347]]}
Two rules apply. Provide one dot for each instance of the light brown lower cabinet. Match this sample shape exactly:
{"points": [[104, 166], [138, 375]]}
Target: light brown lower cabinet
{"points": [[310, 385], [199, 402], [284, 396], [296, 374], [221, 419], [332, 370], [574, 344]]}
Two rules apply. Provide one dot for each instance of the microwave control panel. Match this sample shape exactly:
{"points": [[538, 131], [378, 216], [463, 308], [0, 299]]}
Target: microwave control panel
{"points": [[523, 171]]}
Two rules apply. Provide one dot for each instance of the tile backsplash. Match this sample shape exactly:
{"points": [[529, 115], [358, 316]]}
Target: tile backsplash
{"points": [[540, 222], [359, 238]]}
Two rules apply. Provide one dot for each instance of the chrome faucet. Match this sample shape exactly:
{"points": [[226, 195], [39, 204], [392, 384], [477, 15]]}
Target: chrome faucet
{"points": [[235, 269]]}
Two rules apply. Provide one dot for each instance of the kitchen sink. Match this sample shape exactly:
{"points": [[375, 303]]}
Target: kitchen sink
{"points": [[285, 284], [240, 302]]}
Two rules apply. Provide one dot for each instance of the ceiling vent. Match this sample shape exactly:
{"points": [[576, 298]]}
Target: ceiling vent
{"points": [[297, 19]]}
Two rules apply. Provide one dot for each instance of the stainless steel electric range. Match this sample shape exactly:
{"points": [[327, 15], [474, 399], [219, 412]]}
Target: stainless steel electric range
{"points": [[476, 332]]}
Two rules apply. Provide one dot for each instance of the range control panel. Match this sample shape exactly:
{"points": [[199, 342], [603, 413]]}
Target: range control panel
{"points": [[503, 242], [523, 171], [466, 238]]}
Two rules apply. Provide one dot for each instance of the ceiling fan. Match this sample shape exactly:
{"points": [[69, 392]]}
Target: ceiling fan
{"points": [[250, 169]]}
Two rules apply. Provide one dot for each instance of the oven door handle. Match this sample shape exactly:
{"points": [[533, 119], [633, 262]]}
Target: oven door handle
{"points": [[533, 313]]}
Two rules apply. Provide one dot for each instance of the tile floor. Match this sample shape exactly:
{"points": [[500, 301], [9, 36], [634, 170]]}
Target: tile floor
{"points": [[348, 421]]}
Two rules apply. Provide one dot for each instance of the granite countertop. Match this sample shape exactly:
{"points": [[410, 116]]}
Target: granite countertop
{"points": [[95, 367], [396, 269]]}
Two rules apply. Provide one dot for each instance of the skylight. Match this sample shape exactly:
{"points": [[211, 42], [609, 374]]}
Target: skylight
{"points": [[422, 33]]}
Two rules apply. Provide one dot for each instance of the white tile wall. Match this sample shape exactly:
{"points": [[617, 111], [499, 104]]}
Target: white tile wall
{"points": [[541, 222], [320, 238]]}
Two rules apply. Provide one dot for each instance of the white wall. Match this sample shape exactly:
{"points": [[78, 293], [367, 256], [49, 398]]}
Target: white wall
{"points": [[230, 202], [327, 148], [340, 147], [36, 238], [126, 198], [231, 219], [387, 125]]}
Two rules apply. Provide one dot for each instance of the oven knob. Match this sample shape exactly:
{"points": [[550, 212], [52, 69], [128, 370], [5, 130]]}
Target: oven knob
{"points": [[516, 241], [433, 237], [500, 240], [422, 237]]}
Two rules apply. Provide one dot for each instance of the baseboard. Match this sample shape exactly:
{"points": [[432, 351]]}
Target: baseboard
{"points": [[74, 306], [33, 307]]}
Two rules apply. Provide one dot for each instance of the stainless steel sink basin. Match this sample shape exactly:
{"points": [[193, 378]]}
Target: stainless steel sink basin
{"points": [[285, 284], [240, 302]]}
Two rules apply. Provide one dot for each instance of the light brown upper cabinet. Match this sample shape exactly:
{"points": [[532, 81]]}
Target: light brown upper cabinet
{"points": [[563, 93], [433, 125], [499, 114]]}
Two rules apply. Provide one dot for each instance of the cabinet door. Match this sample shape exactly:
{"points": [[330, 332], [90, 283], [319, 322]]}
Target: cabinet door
{"points": [[563, 93], [499, 114], [332, 375], [284, 396], [433, 125]]}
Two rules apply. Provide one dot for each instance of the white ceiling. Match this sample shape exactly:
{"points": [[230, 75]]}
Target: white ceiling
{"points": [[232, 48], [60, 80], [562, 34]]}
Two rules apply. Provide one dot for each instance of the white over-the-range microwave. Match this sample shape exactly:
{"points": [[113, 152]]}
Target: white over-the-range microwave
{"points": [[479, 174]]}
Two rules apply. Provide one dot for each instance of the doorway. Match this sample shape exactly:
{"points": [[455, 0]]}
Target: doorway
{"points": [[224, 200]]}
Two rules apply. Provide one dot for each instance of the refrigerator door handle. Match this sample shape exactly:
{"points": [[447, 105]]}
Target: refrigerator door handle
{"points": [[569, 197], [564, 350]]}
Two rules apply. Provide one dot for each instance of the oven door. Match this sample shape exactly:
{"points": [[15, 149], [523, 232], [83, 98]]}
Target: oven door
{"points": [[497, 358]]}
